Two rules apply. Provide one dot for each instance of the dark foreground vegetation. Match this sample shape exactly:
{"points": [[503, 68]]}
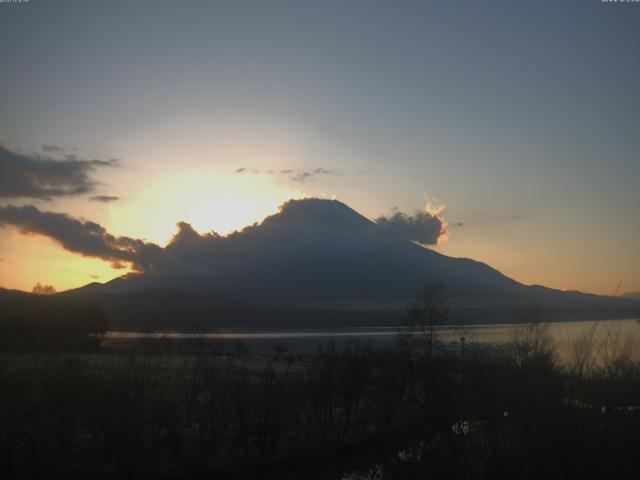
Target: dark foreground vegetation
{"points": [[49, 323], [357, 413], [418, 410]]}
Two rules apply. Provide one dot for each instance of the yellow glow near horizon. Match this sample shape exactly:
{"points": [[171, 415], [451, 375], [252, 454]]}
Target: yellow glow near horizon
{"points": [[207, 199], [34, 258]]}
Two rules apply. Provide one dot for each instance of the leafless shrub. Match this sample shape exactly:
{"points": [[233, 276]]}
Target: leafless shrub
{"points": [[422, 321], [530, 343]]}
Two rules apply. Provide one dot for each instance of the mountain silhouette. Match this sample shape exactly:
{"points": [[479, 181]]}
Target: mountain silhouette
{"points": [[319, 254], [311, 250]]}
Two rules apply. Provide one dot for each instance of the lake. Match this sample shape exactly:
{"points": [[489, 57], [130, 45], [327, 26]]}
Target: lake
{"points": [[612, 335]]}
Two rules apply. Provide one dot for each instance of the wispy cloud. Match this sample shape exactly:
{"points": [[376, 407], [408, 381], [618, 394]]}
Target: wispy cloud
{"points": [[52, 148], [104, 198], [293, 175], [307, 175]]}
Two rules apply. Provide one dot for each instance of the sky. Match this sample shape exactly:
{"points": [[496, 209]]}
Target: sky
{"points": [[518, 120]]}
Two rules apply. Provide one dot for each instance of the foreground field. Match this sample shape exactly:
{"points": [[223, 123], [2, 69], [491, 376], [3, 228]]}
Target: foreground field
{"points": [[411, 411]]}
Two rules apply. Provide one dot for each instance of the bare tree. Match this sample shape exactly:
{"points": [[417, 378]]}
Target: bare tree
{"points": [[530, 342], [423, 320]]}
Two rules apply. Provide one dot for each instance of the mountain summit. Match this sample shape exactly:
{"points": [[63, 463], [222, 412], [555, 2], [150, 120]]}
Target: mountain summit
{"points": [[317, 213]]}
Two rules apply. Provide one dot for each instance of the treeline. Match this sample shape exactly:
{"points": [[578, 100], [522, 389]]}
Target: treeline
{"points": [[49, 323], [416, 411]]}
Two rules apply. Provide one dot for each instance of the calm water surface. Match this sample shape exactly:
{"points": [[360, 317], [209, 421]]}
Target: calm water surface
{"points": [[567, 336]]}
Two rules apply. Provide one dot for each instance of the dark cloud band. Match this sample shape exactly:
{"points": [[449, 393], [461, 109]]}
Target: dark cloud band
{"points": [[32, 176], [86, 238], [93, 240], [104, 198]]}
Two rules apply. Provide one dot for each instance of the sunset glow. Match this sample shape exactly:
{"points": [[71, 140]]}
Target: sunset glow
{"points": [[37, 257], [207, 199]]}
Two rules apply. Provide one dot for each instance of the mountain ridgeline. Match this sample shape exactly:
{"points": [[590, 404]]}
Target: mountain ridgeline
{"points": [[318, 263]]}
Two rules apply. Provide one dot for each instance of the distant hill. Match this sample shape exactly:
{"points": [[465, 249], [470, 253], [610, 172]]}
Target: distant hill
{"points": [[319, 262]]}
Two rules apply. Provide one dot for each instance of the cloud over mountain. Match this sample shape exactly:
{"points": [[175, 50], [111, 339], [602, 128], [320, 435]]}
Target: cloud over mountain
{"points": [[25, 175], [317, 222], [425, 227], [312, 249]]}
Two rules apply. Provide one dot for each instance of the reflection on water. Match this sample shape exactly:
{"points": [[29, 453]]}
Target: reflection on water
{"points": [[569, 337], [618, 335]]}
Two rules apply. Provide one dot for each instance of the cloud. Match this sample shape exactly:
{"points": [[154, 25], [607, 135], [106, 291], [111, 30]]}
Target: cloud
{"points": [[104, 198], [247, 170], [86, 238], [301, 176], [292, 175], [186, 235], [52, 148], [425, 227], [90, 239], [33, 176]]}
